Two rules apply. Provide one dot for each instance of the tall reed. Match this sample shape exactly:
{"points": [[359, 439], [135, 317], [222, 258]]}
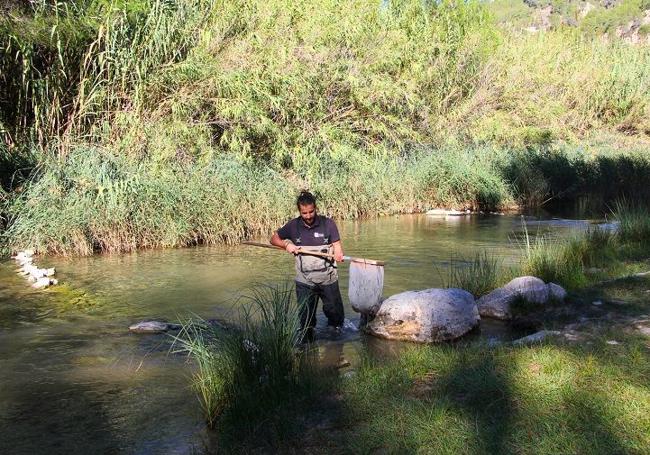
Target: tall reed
{"points": [[634, 220], [253, 366], [478, 275]]}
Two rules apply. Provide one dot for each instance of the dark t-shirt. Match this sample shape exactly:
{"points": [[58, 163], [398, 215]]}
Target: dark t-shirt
{"points": [[322, 232]]}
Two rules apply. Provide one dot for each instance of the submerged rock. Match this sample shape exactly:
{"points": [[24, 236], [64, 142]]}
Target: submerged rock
{"points": [[153, 327], [425, 316], [497, 303], [536, 337]]}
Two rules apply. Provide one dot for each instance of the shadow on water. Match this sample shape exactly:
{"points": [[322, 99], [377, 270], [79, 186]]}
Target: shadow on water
{"points": [[69, 418], [576, 184]]}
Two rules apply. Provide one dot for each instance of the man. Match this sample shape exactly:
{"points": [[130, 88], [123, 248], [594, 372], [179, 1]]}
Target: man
{"points": [[316, 277]]}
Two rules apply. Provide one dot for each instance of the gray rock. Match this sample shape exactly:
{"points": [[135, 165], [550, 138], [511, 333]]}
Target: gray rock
{"points": [[530, 288], [556, 292], [42, 283], [153, 327], [425, 316], [496, 304], [536, 337]]}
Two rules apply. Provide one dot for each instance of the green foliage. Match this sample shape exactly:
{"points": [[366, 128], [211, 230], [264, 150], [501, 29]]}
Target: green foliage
{"points": [[558, 175], [555, 261], [94, 201], [634, 221], [478, 275], [351, 103], [605, 20], [246, 372], [564, 260]]}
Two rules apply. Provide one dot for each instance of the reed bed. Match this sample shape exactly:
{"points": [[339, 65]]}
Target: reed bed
{"points": [[634, 221], [379, 109]]}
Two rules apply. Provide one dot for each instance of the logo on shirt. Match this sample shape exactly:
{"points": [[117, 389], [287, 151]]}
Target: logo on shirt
{"points": [[318, 234]]}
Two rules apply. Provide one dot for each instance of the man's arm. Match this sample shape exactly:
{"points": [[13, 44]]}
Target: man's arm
{"points": [[338, 251], [286, 244]]}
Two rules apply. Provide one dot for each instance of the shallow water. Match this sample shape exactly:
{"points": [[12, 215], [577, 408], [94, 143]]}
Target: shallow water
{"points": [[74, 380]]}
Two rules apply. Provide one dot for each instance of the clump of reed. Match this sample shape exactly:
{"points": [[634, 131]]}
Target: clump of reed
{"points": [[248, 370], [564, 260], [634, 221], [94, 201], [478, 275]]}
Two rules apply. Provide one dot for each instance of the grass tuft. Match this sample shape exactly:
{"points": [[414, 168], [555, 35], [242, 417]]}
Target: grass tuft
{"points": [[251, 370], [478, 275]]}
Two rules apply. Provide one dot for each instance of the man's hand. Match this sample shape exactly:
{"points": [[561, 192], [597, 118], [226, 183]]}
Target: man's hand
{"points": [[291, 248]]}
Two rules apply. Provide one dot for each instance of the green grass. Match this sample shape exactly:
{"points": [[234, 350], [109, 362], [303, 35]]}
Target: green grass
{"points": [[256, 370], [552, 397], [634, 221], [478, 275], [566, 261], [543, 399], [93, 201]]}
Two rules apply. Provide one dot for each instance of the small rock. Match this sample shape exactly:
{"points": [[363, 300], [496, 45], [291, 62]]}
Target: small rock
{"points": [[556, 292], [343, 363], [496, 304], [530, 288], [572, 336], [612, 342], [349, 374], [150, 327], [597, 302], [535, 337], [457, 212], [41, 283]]}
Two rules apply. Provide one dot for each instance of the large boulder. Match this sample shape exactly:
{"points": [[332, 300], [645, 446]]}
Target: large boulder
{"points": [[497, 303], [425, 316]]}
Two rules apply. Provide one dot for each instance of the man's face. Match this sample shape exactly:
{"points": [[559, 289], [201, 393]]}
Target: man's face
{"points": [[307, 213]]}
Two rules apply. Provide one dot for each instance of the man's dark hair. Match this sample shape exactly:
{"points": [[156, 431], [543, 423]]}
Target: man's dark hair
{"points": [[305, 198]]}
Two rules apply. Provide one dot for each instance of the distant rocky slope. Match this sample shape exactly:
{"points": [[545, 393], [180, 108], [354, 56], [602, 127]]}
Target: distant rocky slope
{"points": [[625, 19]]}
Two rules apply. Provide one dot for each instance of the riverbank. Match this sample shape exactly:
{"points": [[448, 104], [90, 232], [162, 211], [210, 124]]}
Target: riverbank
{"points": [[133, 136]]}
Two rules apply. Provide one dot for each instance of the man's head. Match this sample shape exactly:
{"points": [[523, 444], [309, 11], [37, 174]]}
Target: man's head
{"points": [[306, 203]]}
